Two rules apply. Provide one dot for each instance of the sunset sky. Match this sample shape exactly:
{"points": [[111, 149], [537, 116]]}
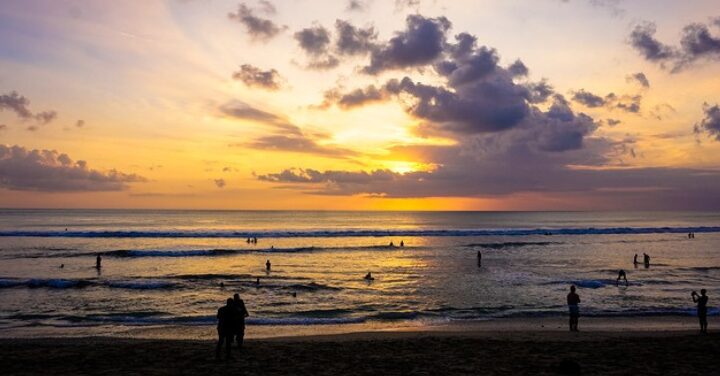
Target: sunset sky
{"points": [[364, 104]]}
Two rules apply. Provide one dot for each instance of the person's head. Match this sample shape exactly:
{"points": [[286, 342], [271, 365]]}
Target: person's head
{"points": [[230, 302], [572, 288], [703, 292], [236, 297]]}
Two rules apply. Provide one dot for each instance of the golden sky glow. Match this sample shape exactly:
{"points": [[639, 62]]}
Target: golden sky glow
{"points": [[146, 88]]}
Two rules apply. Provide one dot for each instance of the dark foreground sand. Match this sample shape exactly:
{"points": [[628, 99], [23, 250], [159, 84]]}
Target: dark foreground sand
{"points": [[377, 353]]}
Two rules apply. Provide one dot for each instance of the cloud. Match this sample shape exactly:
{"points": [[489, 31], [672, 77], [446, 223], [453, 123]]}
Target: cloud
{"points": [[267, 7], [354, 98], [285, 137], [696, 43], [710, 123], [421, 43], [80, 123], [255, 77], [640, 78], [313, 40], [220, 183], [20, 105], [613, 122], [352, 40], [627, 103], [258, 28], [357, 5], [3, 127], [50, 171]]}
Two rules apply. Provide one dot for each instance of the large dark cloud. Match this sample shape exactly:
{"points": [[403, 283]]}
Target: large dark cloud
{"points": [[697, 42], [419, 44], [258, 27], [255, 77], [710, 122], [20, 105], [50, 171]]}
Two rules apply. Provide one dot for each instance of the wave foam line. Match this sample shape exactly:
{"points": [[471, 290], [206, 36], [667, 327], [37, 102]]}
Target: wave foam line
{"points": [[362, 233]]}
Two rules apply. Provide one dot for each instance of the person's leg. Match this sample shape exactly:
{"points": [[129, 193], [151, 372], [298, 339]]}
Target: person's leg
{"points": [[228, 345], [219, 345]]}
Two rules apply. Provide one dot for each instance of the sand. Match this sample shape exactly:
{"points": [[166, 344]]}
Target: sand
{"points": [[511, 347]]}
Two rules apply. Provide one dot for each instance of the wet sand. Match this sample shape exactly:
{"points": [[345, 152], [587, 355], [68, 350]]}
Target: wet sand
{"points": [[499, 348]]}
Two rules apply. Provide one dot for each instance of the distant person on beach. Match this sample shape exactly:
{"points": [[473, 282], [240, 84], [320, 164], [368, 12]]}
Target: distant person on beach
{"points": [[635, 261], [701, 301], [369, 277], [98, 262], [239, 321], [248, 240], [646, 260], [255, 240], [573, 300], [225, 328], [479, 258], [257, 281], [402, 243], [621, 275], [267, 265], [62, 266], [391, 244]]}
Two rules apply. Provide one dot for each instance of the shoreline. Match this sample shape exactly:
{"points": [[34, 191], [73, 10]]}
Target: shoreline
{"points": [[516, 326]]}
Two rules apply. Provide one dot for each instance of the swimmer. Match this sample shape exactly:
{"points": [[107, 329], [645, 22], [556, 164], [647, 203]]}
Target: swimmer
{"points": [[621, 275]]}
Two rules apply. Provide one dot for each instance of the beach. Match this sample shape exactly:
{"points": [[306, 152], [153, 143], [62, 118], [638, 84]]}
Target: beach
{"points": [[516, 347]]}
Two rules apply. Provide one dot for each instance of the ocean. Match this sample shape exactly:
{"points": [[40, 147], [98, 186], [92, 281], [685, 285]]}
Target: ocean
{"points": [[176, 268]]}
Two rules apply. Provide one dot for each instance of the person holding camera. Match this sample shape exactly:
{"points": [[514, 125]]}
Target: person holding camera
{"points": [[701, 301]]}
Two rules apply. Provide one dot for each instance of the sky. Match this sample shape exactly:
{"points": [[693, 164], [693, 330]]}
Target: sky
{"points": [[360, 104]]}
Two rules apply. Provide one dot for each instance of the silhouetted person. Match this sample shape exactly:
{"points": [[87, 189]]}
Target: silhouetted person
{"points": [[247, 241], [402, 243], [621, 275], [239, 320], [294, 294], [479, 258], [257, 281], [701, 301], [391, 244], [573, 300], [222, 285], [98, 262], [646, 260], [255, 240], [62, 266], [635, 261], [267, 265], [369, 277], [225, 328]]}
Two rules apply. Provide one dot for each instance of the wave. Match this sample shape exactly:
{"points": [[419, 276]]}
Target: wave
{"points": [[364, 233], [83, 283], [510, 244]]}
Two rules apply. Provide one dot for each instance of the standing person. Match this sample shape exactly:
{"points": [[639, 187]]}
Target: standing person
{"points": [[701, 301], [402, 243], [646, 260], [635, 261], [241, 314], [621, 275], [225, 316], [573, 300], [479, 257], [98, 262], [267, 265]]}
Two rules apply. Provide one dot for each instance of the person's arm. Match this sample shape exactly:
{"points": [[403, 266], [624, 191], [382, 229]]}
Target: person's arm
{"points": [[694, 297]]}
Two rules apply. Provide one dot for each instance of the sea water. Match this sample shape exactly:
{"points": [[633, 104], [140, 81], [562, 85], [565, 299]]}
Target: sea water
{"points": [[177, 267]]}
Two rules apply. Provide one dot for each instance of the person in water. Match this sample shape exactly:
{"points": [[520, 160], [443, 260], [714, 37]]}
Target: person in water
{"points": [[621, 275], [98, 262], [701, 301], [239, 320], [573, 300], [369, 277], [267, 265], [225, 328]]}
